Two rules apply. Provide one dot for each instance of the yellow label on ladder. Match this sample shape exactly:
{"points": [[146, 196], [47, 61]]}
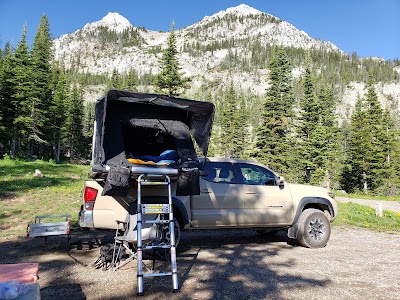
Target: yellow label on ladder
{"points": [[155, 208]]}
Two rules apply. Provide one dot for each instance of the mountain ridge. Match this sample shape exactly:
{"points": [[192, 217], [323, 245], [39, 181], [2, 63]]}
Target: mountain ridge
{"points": [[209, 50], [279, 33]]}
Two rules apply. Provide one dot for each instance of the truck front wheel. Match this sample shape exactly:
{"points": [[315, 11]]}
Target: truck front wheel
{"points": [[314, 229]]}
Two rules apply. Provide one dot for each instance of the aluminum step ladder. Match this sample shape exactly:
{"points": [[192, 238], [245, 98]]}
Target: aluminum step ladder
{"points": [[160, 209]]}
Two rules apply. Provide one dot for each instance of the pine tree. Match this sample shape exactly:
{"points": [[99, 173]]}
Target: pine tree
{"points": [[6, 101], [317, 136], [42, 54], [390, 173], [308, 122], [333, 152], [2, 122], [73, 126], [19, 87], [215, 146], [352, 178], [368, 145], [242, 147], [233, 126], [272, 144], [88, 126], [171, 80], [115, 81], [310, 108], [131, 80], [57, 110], [375, 134]]}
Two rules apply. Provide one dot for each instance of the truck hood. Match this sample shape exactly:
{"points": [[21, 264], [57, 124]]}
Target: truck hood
{"points": [[307, 190]]}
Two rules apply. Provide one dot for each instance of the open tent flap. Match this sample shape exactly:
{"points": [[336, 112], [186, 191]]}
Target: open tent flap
{"points": [[148, 138], [131, 125]]}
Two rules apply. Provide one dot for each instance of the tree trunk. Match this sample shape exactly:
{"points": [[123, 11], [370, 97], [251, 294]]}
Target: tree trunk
{"points": [[365, 188], [58, 151], [13, 143]]}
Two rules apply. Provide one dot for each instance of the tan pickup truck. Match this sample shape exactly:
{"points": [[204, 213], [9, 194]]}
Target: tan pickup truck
{"points": [[229, 193]]}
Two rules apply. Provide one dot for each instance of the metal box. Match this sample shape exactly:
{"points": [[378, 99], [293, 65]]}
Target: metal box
{"points": [[42, 228]]}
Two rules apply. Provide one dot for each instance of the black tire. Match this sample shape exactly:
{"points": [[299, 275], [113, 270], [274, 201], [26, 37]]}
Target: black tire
{"points": [[163, 253], [177, 231], [314, 229]]}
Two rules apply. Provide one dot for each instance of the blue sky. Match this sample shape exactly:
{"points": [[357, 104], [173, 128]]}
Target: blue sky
{"points": [[368, 27]]}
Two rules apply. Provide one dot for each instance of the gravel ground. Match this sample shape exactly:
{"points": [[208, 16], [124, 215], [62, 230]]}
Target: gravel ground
{"points": [[386, 205], [224, 264]]}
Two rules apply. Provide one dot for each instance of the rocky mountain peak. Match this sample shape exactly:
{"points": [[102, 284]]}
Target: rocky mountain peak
{"points": [[113, 21], [209, 50], [230, 30], [240, 10]]}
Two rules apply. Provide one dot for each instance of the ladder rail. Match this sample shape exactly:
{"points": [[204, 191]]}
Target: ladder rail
{"points": [[153, 180]]}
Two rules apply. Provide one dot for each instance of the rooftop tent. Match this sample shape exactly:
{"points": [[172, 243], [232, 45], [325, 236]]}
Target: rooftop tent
{"points": [[131, 123]]}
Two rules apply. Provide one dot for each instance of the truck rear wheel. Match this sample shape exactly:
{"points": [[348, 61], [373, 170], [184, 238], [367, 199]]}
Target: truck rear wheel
{"points": [[177, 232], [314, 229], [166, 238]]}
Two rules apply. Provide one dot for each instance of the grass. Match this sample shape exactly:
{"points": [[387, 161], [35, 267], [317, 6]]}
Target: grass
{"points": [[24, 196], [365, 216]]}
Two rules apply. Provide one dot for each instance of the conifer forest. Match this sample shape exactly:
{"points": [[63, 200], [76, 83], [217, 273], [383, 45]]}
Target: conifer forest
{"points": [[294, 127]]}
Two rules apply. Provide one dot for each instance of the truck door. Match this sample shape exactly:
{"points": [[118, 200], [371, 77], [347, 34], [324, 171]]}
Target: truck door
{"points": [[264, 202], [219, 202]]}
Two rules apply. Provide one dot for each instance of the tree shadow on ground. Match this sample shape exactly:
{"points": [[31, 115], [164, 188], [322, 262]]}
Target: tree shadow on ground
{"points": [[212, 264], [233, 264]]}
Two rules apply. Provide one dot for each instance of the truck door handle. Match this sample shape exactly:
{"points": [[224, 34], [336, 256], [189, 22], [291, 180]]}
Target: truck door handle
{"points": [[251, 192]]}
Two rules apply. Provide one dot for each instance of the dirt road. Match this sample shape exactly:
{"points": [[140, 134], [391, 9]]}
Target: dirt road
{"points": [[386, 205], [236, 264]]}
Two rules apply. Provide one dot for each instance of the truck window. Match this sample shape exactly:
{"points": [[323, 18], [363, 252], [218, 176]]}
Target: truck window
{"points": [[219, 172], [255, 175]]}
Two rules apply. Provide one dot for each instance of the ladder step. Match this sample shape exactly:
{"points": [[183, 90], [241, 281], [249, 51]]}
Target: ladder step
{"points": [[154, 212], [154, 183], [156, 221], [155, 209], [161, 246], [158, 274]]}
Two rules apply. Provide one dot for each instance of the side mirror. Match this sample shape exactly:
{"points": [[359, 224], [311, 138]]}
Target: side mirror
{"points": [[280, 181]]}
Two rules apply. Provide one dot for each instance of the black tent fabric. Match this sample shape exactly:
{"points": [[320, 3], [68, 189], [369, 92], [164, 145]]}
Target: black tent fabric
{"points": [[127, 121], [176, 131]]}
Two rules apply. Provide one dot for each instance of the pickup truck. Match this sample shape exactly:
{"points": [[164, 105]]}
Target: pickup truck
{"points": [[230, 193]]}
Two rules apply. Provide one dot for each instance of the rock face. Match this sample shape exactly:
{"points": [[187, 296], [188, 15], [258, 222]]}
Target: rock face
{"points": [[86, 51], [205, 50]]}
